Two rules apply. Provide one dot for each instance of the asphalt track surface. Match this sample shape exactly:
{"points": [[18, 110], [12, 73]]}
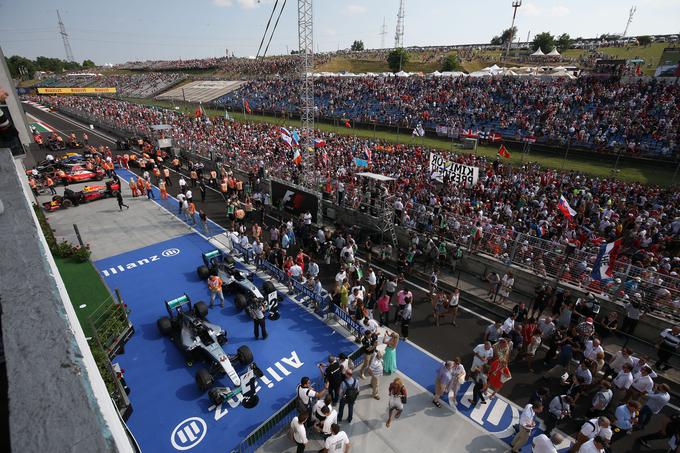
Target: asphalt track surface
{"points": [[445, 341]]}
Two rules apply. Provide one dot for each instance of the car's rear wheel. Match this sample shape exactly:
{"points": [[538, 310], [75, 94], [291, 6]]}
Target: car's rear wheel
{"points": [[228, 259], [201, 309], [268, 288], [222, 338], [164, 326], [241, 301], [244, 355], [203, 272], [66, 203], [204, 379]]}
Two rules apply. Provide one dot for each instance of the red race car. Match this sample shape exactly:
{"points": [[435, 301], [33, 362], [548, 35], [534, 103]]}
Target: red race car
{"points": [[80, 174], [89, 193]]}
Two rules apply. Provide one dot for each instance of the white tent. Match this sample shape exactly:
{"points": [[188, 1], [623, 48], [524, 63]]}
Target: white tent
{"points": [[538, 53], [402, 74], [436, 74], [553, 53], [452, 74]]}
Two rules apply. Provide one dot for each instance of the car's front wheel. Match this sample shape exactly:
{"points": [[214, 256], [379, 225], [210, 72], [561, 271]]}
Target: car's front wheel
{"points": [[164, 326], [204, 379], [244, 355], [241, 301]]}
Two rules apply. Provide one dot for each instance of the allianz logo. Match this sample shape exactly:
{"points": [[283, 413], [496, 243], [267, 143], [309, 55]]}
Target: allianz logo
{"points": [[119, 268]]}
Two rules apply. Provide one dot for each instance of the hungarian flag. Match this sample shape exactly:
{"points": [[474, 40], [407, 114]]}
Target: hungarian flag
{"points": [[563, 206], [347, 123], [319, 143], [297, 157], [246, 106], [503, 152], [199, 111], [603, 269]]}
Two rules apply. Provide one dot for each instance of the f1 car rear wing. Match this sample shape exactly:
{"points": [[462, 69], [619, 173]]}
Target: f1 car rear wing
{"points": [[178, 304], [209, 256]]}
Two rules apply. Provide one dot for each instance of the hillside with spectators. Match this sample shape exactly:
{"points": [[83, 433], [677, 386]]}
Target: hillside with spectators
{"points": [[638, 118]]}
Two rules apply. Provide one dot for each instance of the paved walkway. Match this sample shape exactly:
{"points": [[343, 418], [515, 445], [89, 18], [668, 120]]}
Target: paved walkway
{"points": [[421, 426]]}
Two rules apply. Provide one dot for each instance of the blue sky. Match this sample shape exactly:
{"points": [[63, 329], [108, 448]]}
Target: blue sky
{"points": [[122, 30]]}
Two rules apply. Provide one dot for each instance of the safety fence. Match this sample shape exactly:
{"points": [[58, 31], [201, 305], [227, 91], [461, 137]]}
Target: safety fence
{"points": [[281, 419], [552, 261]]}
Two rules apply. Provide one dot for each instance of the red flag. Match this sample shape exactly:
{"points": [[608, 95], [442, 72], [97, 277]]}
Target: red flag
{"points": [[638, 71], [503, 152], [246, 106], [347, 124], [198, 112]]}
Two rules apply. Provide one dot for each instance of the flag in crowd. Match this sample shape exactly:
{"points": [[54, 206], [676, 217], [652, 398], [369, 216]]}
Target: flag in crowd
{"points": [[490, 136], [603, 269], [319, 143], [347, 123], [297, 157], [469, 133], [246, 106], [419, 131], [503, 152], [360, 162], [288, 137], [199, 111], [563, 206]]}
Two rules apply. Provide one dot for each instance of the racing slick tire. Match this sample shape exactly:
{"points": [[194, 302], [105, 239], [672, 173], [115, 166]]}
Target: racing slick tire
{"points": [[222, 338], [201, 309], [204, 379], [229, 260], [66, 203], [244, 355], [164, 326], [203, 272], [267, 288], [241, 301]]}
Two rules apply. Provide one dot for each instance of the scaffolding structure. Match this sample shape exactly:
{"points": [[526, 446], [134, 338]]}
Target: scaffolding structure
{"points": [[64, 38], [306, 47]]}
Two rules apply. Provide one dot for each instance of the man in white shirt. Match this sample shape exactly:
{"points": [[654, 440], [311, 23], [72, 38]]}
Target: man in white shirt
{"points": [[591, 429], [527, 422], [595, 445], [592, 349], [297, 427], [641, 385], [482, 354], [338, 442], [313, 268], [657, 399], [624, 379], [307, 218], [508, 325], [295, 271], [545, 444]]}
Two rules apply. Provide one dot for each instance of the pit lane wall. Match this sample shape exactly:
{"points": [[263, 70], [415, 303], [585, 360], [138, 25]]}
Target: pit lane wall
{"points": [[57, 399]]}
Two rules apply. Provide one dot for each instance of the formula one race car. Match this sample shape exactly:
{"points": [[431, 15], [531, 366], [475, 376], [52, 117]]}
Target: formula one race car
{"points": [[89, 193], [80, 174], [200, 339], [247, 295]]}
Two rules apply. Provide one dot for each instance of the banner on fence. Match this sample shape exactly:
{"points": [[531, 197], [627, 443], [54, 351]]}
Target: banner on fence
{"points": [[75, 90], [294, 200], [456, 173]]}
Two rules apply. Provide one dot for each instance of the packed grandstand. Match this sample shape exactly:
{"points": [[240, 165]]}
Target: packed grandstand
{"points": [[345, 255]]}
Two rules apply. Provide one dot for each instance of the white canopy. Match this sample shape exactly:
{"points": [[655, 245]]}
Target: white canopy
{"points": [[554, 53], [402, 74], [452, 74], [538, 53]]}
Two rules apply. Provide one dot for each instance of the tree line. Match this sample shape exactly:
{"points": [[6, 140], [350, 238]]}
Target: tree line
{"points": [[25, 68]]}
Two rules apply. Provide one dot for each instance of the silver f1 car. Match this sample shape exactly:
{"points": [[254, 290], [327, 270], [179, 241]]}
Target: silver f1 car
{"points": [[199, 339], [247, 295]]}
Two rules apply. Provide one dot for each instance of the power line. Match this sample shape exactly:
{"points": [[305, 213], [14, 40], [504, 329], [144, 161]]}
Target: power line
{"points": [[264, 35], [274, 29]]}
